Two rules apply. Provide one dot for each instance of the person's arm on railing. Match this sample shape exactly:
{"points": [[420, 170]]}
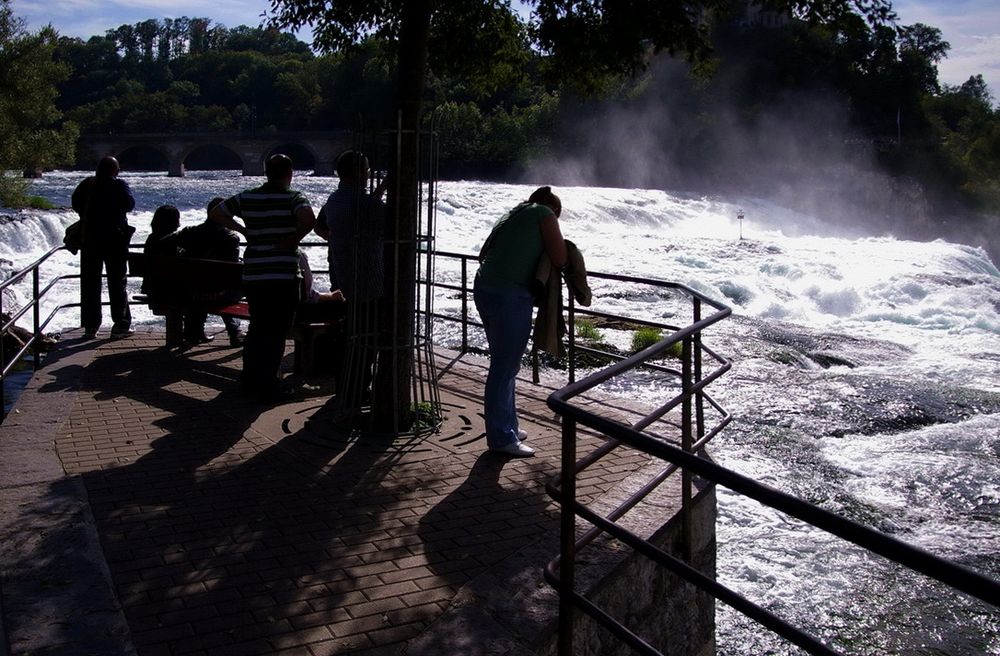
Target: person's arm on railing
{"points": [[553, 242]]}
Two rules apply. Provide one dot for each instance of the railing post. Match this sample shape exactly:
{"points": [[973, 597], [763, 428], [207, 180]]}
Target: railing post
{"points": [[3, 361], [700, 395], [37, 343], [567, 537], [571, 311], [686, 441], [465, 305]]}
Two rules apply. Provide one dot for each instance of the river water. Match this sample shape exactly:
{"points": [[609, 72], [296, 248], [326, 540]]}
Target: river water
{"points": [[866, 379]]}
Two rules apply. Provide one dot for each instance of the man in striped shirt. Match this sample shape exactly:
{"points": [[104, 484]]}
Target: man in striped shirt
{"points": [[275, 219]]}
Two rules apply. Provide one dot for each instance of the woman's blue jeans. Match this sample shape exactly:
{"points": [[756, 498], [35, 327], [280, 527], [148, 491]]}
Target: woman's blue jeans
{"points": [[506, 315]]}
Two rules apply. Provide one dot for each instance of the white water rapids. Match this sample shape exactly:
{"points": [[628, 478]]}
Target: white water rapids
{"points": [[866, 379]]}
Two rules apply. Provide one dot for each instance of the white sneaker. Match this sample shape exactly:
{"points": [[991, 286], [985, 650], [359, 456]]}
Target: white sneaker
{"points": [[515, 450], [120, 332], [521, 435]]}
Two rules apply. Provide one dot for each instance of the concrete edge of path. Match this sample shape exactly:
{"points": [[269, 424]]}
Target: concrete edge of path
{"points": [[56, 593]]}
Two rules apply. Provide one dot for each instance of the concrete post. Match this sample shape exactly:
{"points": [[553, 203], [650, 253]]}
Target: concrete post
{"points": [[253, 166], [324, 168]]}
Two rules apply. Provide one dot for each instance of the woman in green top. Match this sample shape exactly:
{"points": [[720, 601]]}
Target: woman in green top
{"points": [[503, 297]]}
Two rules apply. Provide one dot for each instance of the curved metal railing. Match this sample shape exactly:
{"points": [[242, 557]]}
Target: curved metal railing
{"points": [[467, 265], [687, 458], [33, 343]]}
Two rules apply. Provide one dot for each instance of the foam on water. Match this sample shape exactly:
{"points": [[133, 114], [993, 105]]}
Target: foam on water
{"points": [[940, 299], [952, 471], [907, 291]]}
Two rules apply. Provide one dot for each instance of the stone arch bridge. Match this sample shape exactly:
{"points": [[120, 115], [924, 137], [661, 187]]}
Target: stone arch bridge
{"points": [[250, 150]]}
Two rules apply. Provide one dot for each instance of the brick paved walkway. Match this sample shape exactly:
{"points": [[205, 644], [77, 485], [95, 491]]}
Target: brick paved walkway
{"points": [[228, 528]]}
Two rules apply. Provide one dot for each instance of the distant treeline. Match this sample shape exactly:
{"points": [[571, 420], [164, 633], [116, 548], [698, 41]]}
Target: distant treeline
{"points": [[804, 87]]}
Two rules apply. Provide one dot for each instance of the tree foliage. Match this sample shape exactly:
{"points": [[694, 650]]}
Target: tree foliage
{"points": [[32, 135], [186, 74], [881, 79], [584, 43]]}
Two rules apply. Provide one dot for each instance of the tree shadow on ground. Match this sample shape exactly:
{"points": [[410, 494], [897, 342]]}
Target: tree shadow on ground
{"points": [[232, 528], [248, 530]]}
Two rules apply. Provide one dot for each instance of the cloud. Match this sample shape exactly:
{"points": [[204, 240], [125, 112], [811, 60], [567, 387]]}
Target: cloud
{"points": [[972, 27], [85, 18], [981, 54]]}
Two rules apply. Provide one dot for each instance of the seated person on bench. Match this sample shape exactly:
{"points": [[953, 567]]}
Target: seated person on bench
{"points": [[209, 240], [317, 306], [162, 240], [326, 346]]}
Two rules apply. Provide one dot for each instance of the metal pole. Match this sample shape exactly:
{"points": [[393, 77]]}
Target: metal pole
{"points": [[571, 311], [465, 305], [686, 442], [397, 238], [700, 394], [3, 361], [567, 537], [37, 340]]}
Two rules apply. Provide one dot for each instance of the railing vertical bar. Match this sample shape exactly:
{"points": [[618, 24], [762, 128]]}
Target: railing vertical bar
{"points": [[465, 305], [686, 440], [3, 361], [700, 394], [36, 302], [567, 536], [571, 312]]}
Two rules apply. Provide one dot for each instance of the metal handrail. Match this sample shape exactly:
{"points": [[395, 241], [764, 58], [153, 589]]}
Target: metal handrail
{"points": [[695, 434], [560, 572], [467, 262], [464, 287], [33, 343]]}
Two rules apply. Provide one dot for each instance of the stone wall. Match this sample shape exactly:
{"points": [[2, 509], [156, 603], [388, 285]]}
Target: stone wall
{"points": [[672, 615]]}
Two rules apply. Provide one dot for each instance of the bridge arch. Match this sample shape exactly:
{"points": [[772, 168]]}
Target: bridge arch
{"points": [[309, 150], [143, 157], [304, 157], [211, 157]]}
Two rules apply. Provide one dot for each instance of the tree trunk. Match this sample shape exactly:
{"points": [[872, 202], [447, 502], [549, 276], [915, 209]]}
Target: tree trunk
{"points": [[393, 383]]}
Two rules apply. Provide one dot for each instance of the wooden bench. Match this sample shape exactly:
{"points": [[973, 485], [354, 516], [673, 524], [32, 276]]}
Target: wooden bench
{"points": [[194, 282]]}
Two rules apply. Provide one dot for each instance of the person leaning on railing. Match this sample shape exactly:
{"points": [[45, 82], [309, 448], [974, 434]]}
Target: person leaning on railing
{"points": [[503, 295]]}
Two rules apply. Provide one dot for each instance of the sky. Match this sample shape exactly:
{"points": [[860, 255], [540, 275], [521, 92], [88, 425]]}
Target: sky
{"points": [[972, 27]]}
